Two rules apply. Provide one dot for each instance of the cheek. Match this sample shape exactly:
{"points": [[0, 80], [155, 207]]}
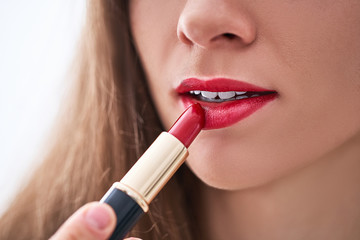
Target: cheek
{"points": [[154, 32], [318, 112], [313, 118], [236, 160]]}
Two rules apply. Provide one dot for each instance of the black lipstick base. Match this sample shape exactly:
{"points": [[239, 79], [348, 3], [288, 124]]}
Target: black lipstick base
{"points": [[128, 212]]}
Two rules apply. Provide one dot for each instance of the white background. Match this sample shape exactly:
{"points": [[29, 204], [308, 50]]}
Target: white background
{"points": [[37, 43]]}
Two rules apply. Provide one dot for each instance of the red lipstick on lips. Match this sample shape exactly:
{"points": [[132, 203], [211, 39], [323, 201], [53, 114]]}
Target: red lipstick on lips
{"points": [[224, 109]]}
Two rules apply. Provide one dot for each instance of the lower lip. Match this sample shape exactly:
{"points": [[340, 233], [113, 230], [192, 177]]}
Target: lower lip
{"points": [[220, 115]]}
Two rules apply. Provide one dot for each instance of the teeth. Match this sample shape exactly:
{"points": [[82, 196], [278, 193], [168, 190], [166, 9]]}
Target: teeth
{"points": [[241, 97], [209, 94], [226, 95], [219, 96]]}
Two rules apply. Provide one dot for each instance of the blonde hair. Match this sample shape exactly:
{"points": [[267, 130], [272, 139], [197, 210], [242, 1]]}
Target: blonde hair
{"points": [[107, 124]]}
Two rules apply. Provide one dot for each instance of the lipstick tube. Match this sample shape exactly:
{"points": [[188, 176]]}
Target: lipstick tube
{"points": [[130, 198]]}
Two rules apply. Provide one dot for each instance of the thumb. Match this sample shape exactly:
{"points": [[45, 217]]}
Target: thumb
{"points": [[93, 221]]}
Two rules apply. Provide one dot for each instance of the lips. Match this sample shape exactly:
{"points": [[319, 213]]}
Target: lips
{"points": [[226, 101]]}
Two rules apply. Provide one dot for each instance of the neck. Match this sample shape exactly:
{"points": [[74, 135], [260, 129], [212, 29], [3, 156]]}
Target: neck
{"points": [[320, 201]]}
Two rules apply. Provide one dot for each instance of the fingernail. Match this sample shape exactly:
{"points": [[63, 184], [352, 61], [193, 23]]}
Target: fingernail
{"points": [[97, 217]]}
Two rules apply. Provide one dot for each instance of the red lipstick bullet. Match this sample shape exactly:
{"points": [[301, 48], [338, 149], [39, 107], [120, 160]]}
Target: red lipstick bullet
{"points": [[130, 198]]}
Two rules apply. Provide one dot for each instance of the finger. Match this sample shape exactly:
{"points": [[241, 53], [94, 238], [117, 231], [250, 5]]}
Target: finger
{"points": [[94, 221]]}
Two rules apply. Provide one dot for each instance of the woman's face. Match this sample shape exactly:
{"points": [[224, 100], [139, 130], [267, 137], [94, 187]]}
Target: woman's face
{"points": [[307, 51]]}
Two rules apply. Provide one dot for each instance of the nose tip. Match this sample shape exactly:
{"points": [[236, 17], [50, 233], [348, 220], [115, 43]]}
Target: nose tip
{"points": [[209, 26]]}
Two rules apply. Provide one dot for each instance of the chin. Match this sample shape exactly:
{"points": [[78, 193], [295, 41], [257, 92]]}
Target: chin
{"points": [[226, 171], [228, 177]]}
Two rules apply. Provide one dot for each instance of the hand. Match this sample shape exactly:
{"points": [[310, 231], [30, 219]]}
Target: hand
{"points": [[93, 221]]}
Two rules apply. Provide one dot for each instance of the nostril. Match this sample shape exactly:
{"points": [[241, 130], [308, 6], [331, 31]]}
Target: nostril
{"points": [[183, 38], [229, 35], [225, 36], [196, 28]]}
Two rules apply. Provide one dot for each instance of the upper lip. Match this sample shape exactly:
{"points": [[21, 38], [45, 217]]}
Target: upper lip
{"points": [[218, 85]]}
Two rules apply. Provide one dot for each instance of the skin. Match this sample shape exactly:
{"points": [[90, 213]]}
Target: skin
{"points": [[93, 221], [291, 169]]}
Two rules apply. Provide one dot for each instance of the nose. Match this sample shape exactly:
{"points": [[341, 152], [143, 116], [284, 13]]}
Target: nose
{"points": [[214, 23]]}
